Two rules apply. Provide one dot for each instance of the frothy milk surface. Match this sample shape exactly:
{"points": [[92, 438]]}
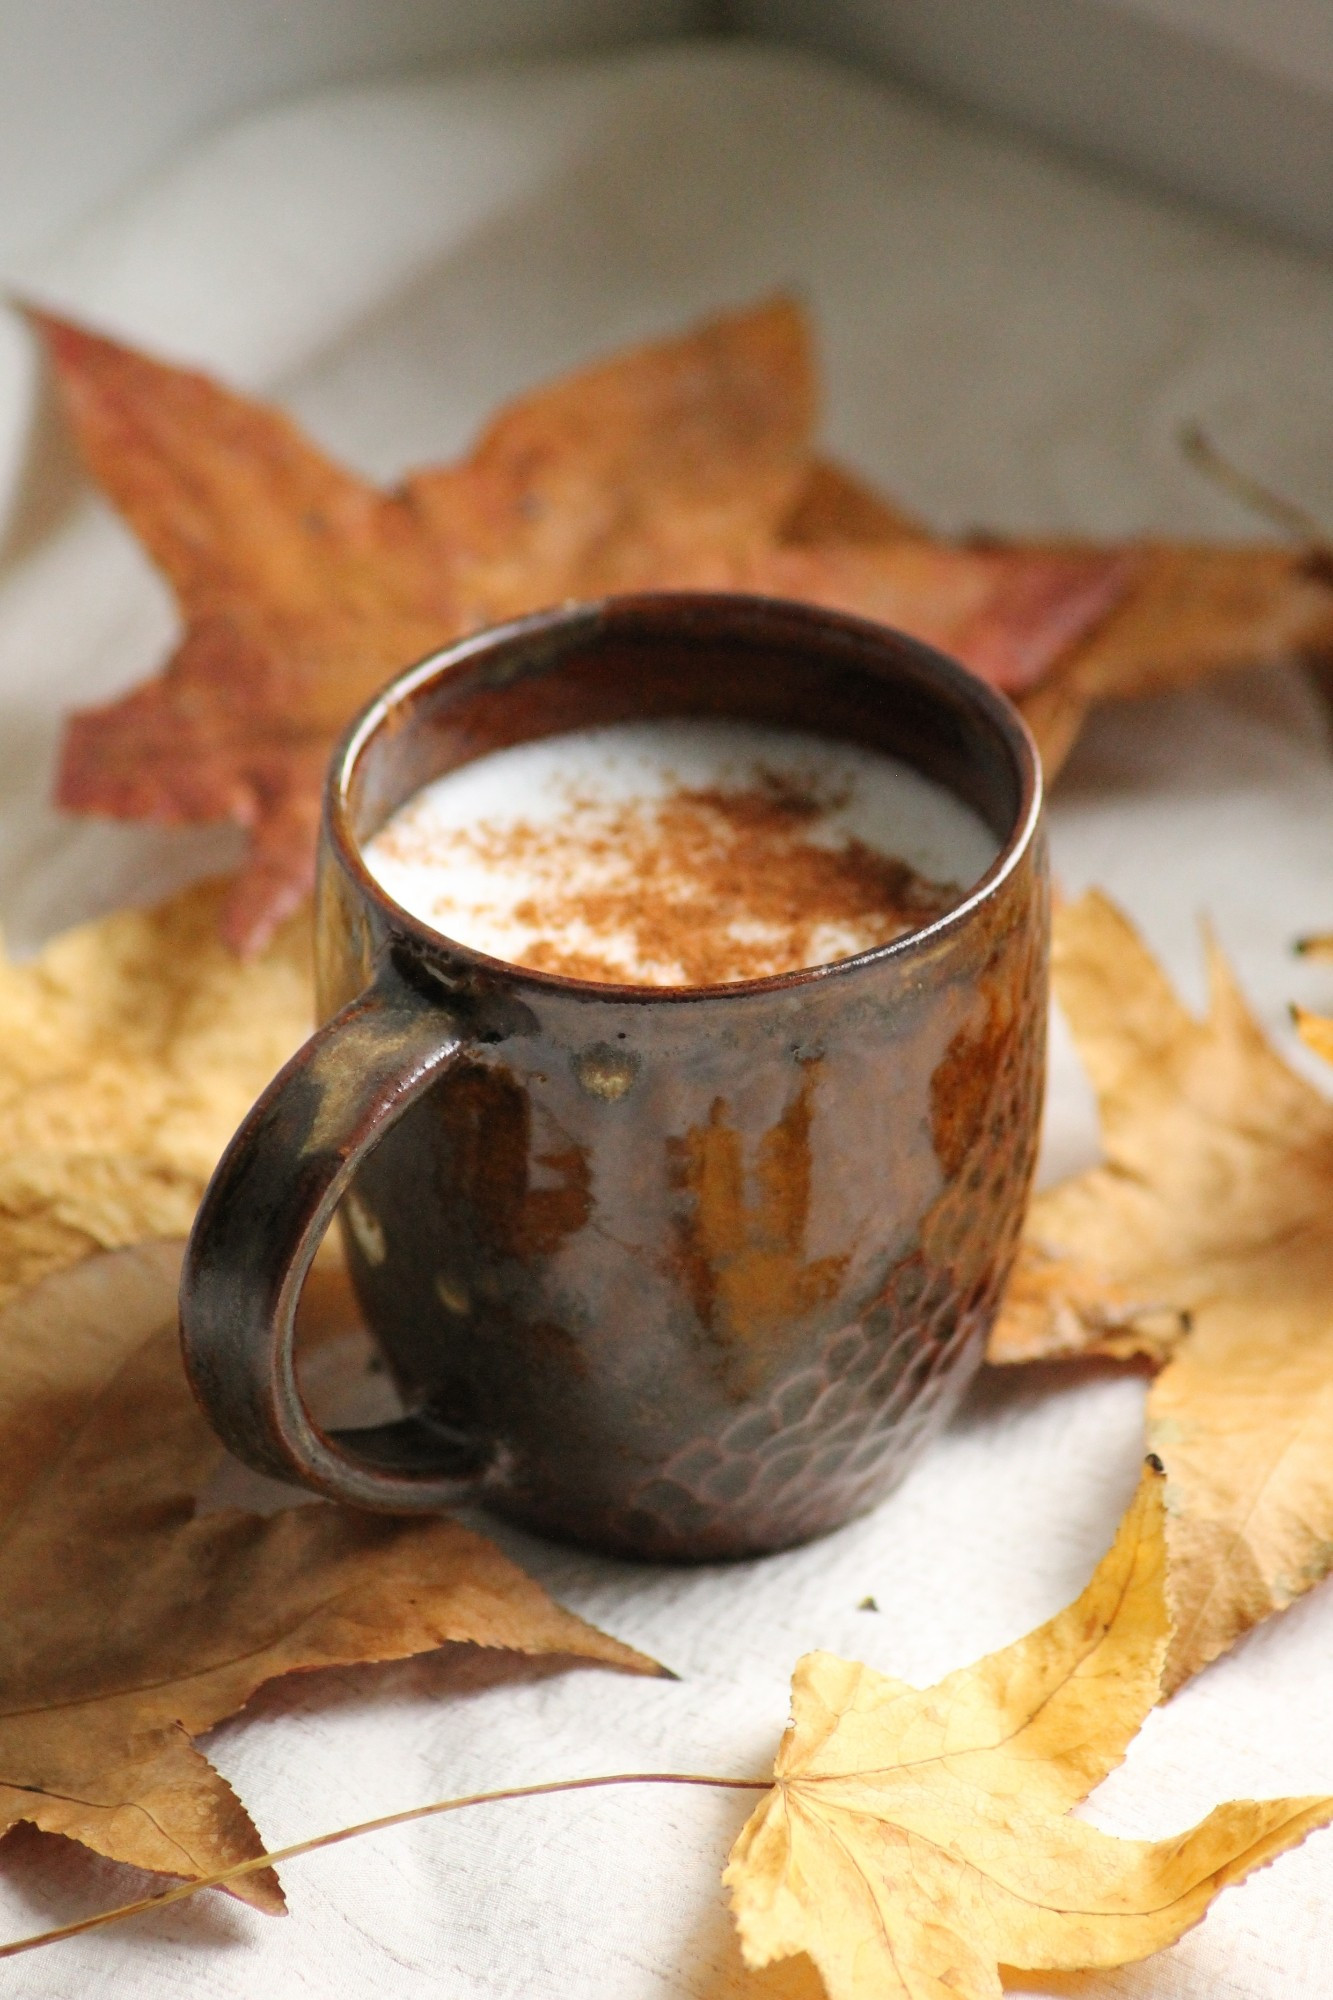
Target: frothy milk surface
{"points": [[680, 852]]}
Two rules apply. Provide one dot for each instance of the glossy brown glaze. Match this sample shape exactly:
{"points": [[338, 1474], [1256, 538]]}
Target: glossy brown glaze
{"points": [[682, 1273]]}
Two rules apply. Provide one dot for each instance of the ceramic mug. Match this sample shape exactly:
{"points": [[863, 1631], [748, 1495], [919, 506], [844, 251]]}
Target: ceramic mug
{"points": [[676, 1272]]}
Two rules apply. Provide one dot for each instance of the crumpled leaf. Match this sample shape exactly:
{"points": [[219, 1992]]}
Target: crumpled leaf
{"points": [[685, 464], [133, 1623], [1206, 1242], [916, 1840], [304, 588], [130, 1049]]}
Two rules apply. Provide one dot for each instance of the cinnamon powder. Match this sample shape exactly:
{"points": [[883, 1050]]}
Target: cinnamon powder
{"points": [[701, 887]]}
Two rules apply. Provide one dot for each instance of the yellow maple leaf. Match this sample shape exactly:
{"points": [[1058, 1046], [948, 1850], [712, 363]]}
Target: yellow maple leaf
{"points": [[1316, 1030], [1205, 1239], [916, 1840], [130, 1049]]}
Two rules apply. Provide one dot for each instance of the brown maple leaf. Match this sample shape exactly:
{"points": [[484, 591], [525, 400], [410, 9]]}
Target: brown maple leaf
{"points": [[304, 588], [680, 465], [1059, 626], [1009, 614], [836, 505], [1205, 1242], [917, 1839], [1194, 609], [133, 1623]]}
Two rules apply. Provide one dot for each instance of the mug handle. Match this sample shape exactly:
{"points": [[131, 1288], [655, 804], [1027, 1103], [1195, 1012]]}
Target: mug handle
{"points": [[261, 1221]]}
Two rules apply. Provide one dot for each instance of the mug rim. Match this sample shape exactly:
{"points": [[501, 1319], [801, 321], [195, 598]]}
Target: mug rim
{"points": [[589, 615]]}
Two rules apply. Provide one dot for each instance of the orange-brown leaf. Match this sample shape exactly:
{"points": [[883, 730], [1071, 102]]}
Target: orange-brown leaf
{"points": [[1194, 610], [163, 1620], [835, 505], [304, 588], [618, 477], [1007, 614], [681, 465]]}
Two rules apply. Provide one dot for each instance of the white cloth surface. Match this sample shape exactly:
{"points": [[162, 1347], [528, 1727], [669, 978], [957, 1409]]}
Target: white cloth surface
{"points": [[1009, 340]]}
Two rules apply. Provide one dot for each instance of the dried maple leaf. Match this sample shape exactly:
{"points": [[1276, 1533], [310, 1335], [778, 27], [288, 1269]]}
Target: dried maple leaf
{"points": [[130, 1049], [1207, 1239], [682, 465], [618, 476], [167, 1620], [1316, 1030], [916, 1840], [1194, 609], [1059, 627], [304, 588], [835, 505], [1008, 614]]}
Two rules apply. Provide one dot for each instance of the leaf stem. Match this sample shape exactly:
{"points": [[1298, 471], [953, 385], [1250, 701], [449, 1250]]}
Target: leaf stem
{"points": [[256, 1862], [1292, 519]]}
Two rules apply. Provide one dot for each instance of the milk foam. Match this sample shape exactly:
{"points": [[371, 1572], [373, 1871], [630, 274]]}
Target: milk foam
{"points": [[477, 853]]}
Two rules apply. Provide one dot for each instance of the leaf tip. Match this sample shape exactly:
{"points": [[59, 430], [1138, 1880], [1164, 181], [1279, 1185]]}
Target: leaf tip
{"points": [[67, 342]]}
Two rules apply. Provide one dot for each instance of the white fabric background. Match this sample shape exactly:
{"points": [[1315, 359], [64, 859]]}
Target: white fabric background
{"points": [[1008, 340]]}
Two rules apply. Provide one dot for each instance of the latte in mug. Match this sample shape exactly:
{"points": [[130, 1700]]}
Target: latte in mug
{"points": [[676, 1270], [680, 853]]}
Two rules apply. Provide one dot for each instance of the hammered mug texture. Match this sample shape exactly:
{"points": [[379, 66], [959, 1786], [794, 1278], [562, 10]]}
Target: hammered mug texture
{"points": [[680, 1273]]}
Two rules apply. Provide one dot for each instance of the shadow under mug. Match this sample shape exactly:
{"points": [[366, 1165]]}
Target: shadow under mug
{"points": [[677, 1272]]}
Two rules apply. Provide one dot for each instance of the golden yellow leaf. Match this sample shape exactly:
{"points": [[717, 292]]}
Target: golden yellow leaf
{"points": [[916, 1840], [1206, 1239], [130, 1049], [1316, 1031], [165, 1620]]}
